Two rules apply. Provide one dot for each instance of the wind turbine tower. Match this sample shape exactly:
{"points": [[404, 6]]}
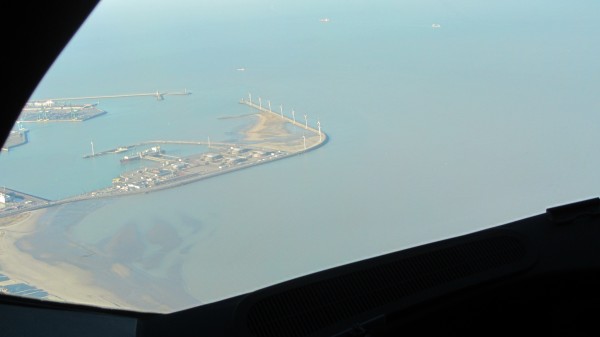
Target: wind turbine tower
{"points": [[269, 101], [294, 116], [319, 125], [250, 97], [304, 138], [281, 109], [93, 153], [306, 122], [259, 103]]}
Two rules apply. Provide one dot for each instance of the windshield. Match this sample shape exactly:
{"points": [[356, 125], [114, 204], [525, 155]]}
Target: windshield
{"points": [[179, 153]]}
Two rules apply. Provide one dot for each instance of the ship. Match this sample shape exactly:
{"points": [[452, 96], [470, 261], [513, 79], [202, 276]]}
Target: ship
{"points": [[126, 159], [324, 20], [154, 151]]}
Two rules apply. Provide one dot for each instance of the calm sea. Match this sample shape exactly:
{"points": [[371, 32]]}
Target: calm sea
{"points": [[435, 132]]}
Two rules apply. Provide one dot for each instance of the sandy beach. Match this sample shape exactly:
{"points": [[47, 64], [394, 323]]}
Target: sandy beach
{"points": [[267, 126], [62, 281], [270, 132]]}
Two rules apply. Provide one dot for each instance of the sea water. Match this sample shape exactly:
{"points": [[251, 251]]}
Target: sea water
{"points": [[434, 132]]}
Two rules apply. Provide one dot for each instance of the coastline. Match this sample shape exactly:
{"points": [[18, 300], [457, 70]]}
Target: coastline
{"points": [[26, 242], [268, 132], [62, 281]]}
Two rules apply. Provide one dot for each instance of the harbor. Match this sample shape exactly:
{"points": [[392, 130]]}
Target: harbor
{"points": [[63, 110], [266, 142]]}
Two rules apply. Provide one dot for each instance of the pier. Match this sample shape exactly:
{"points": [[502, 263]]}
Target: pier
{"points": [[260, 108], [57, 110], [158, 95]]}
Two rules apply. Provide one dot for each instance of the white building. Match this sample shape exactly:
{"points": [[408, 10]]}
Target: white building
{"points": [[6, 197]]}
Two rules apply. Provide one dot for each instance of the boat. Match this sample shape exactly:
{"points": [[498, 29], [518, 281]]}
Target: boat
{"points": [[435, 25], [324, 20], [126, 159], [155, 150]]}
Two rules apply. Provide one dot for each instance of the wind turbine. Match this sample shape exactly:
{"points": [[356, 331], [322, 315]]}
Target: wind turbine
{"points": [[294, 115], [306, 122], [259, 103], [250, 97], [304, 137], [269, 104], [281, 108], [319, 125], [93, 153]]}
